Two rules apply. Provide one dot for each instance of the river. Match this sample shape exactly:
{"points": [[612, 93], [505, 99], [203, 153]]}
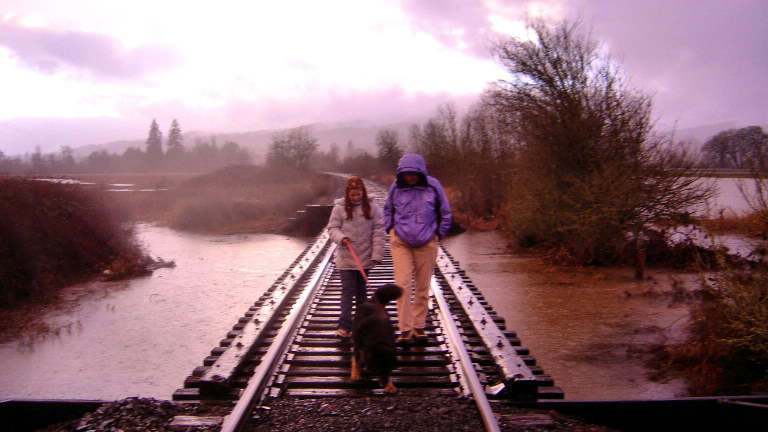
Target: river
{"points": [[144, 336]]}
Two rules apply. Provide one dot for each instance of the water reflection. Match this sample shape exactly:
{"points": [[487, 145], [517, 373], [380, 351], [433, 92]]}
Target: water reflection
{"points": [[729, 197], [143, 337]]}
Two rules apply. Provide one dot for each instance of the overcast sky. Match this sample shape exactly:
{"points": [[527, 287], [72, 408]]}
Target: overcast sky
{"points": [[103, 71]]}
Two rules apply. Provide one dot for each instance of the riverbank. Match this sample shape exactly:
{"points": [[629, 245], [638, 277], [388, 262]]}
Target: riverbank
{"points": [[55, 234], [64, 231]]}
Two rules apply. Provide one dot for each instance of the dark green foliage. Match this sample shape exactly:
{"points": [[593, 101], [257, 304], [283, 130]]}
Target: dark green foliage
{"points": [[154, 146]]}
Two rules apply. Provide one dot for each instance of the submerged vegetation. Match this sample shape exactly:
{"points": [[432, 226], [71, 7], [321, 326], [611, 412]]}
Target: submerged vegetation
{"points": [[727, 349]]}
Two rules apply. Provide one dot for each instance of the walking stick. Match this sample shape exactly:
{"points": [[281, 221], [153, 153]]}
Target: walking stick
{"points": [[357, 261]]}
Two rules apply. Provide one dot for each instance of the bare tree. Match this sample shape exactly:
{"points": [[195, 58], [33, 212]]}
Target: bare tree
{"points": [[744, 148], [388, 142], [292, 148], [588, 168]]}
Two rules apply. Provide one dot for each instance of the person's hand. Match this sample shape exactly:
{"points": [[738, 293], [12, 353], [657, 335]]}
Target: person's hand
{"points": [[376, 262]]}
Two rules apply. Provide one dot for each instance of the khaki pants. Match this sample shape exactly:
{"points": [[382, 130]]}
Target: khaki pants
{"points": [[413, 271]]}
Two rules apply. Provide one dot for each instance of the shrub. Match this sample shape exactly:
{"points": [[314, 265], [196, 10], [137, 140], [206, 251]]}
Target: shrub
{"points": [[727, 352], [55, 234]]}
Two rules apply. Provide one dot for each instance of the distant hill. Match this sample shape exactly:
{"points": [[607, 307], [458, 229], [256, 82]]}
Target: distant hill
{"points": [[362, 136], [701, 134]]}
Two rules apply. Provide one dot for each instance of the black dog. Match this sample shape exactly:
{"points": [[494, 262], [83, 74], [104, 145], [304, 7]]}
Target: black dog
{"points": [[373, 338]]}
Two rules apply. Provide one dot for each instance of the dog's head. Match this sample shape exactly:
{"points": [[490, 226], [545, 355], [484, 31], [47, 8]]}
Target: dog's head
{"points": [[387, 293]]}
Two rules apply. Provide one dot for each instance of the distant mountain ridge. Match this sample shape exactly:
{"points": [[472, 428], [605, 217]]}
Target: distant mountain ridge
{"points": [[362, 136]]}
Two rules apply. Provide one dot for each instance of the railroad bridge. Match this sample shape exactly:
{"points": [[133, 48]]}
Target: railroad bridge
{"points": [[285, 345]]}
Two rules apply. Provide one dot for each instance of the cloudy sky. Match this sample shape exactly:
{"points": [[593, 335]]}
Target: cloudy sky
{"points": [[81, 72]]}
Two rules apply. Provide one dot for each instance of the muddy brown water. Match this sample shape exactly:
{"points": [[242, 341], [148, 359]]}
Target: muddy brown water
{"points": [[586, 327], [144, 336]]}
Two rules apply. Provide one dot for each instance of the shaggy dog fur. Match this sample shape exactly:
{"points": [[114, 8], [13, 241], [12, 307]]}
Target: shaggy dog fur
{"points": [[373, 338]]}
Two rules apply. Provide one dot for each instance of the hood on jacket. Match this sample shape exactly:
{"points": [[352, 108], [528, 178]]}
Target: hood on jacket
{"points": [[412, 162]]}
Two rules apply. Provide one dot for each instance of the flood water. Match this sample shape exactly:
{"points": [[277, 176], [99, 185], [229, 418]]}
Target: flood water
{"points": [[583, 326], [144, 336]]}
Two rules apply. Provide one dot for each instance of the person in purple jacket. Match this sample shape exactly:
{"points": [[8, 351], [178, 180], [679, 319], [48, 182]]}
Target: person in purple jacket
{"points": [[416, 215]]}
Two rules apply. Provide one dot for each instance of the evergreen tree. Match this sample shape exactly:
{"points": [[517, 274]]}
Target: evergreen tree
{"points": [[174, 145], [154, 145]]}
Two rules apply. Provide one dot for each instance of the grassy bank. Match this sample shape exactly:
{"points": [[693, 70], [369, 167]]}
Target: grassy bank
{"points": [[245, 199]]}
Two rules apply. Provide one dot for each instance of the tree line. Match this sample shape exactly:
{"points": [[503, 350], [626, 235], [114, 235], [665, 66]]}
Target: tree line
{"points": [[158, 155], [563, 152]]}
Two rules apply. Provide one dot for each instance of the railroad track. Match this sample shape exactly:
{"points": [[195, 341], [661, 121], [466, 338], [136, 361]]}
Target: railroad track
{"points": [[285, 345]]}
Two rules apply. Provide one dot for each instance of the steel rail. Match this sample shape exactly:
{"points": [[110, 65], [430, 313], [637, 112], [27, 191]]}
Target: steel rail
{"points": [[236, 420], [457, 346]]}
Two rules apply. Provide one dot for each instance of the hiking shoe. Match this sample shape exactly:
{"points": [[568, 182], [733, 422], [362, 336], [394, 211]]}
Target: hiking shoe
{"points": [[344, 334], [419, 335], [405, 337]]}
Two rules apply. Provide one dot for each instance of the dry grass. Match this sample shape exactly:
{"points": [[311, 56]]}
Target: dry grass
{"points": [[752, 224], [235, 199], [243, 199]]}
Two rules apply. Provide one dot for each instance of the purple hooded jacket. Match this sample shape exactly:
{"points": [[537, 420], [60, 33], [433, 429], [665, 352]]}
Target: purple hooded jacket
{"points": [[417, 213]]}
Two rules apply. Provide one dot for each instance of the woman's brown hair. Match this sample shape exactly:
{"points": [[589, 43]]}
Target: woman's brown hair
{"points": [[356, 182]]}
